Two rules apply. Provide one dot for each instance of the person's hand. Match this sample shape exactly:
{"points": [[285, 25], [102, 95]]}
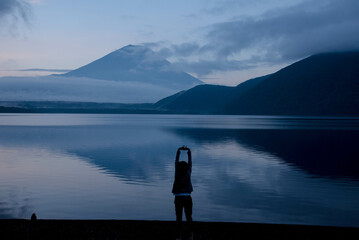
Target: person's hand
{"points": [[183, 148]]}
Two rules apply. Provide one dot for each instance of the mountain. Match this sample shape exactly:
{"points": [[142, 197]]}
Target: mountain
{"points": [[13, 110], [132, 74], [321, 85], [205, 99], [324, 84], [134, 63]]}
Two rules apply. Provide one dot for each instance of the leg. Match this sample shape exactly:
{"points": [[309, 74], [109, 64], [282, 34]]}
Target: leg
{"points": [[188, 211], [188, 204], [179, 210]]}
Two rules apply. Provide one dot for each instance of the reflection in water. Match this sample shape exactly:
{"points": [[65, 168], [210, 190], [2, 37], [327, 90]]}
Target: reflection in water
{"points": [[60, 185], [260, 169], [327, 153]]}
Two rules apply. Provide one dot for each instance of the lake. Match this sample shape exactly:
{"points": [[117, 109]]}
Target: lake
{"points": [[295, 170]]}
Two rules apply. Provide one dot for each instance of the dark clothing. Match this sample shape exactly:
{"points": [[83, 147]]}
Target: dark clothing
{"points": [[183, 202], [186, 203], [182, 183]]}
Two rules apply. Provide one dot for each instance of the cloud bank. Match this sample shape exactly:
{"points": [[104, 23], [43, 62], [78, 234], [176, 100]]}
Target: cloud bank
{"points": [[55, 88], [308, 28], [277, 36]]}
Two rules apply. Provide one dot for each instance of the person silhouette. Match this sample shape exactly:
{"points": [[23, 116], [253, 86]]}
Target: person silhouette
{"points": [[182, 189]]}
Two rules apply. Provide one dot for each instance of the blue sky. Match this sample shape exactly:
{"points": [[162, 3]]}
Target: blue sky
{"points": [[223, 42]]}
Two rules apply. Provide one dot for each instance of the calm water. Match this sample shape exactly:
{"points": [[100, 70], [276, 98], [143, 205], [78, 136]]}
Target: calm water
{"points": [[245, 168]]}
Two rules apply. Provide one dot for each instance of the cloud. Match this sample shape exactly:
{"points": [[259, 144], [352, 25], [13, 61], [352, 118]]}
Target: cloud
{"points": [[35, 1], [217, 7], [204, 67], [14, 11], [56, 88], [44, 70], [15, 8], [222, 6], [281, 35], [291, 33]]}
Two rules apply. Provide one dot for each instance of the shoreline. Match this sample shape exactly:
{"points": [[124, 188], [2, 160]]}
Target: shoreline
{"points": [[141, 229]]}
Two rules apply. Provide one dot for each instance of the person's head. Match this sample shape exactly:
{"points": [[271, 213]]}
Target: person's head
{"points": [[182, 167]]}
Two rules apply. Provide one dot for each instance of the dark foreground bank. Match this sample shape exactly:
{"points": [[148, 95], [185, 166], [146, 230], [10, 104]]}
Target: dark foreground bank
{"points": [[119, 229]]}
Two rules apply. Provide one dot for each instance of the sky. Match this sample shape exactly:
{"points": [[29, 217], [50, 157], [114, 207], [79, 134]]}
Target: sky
{"points": [[219, 41]]}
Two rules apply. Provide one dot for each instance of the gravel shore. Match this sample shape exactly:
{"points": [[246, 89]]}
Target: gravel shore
{"points": [[122, 229]]}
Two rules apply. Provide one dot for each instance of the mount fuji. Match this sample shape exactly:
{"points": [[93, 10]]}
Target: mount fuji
{"points": [[135, 63], [132, 74]]}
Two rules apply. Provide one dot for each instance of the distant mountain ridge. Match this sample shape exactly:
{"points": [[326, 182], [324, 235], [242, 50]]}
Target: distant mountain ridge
{"points": [[323, 84], [205, 99], [135, 63], [320, 85]]}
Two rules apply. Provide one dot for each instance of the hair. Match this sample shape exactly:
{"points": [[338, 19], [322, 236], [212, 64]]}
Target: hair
{"points": [[182, 167]]}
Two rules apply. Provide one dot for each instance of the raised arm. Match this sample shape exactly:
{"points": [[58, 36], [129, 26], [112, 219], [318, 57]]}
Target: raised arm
{"points": [[178, 155], [189, 154]]}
